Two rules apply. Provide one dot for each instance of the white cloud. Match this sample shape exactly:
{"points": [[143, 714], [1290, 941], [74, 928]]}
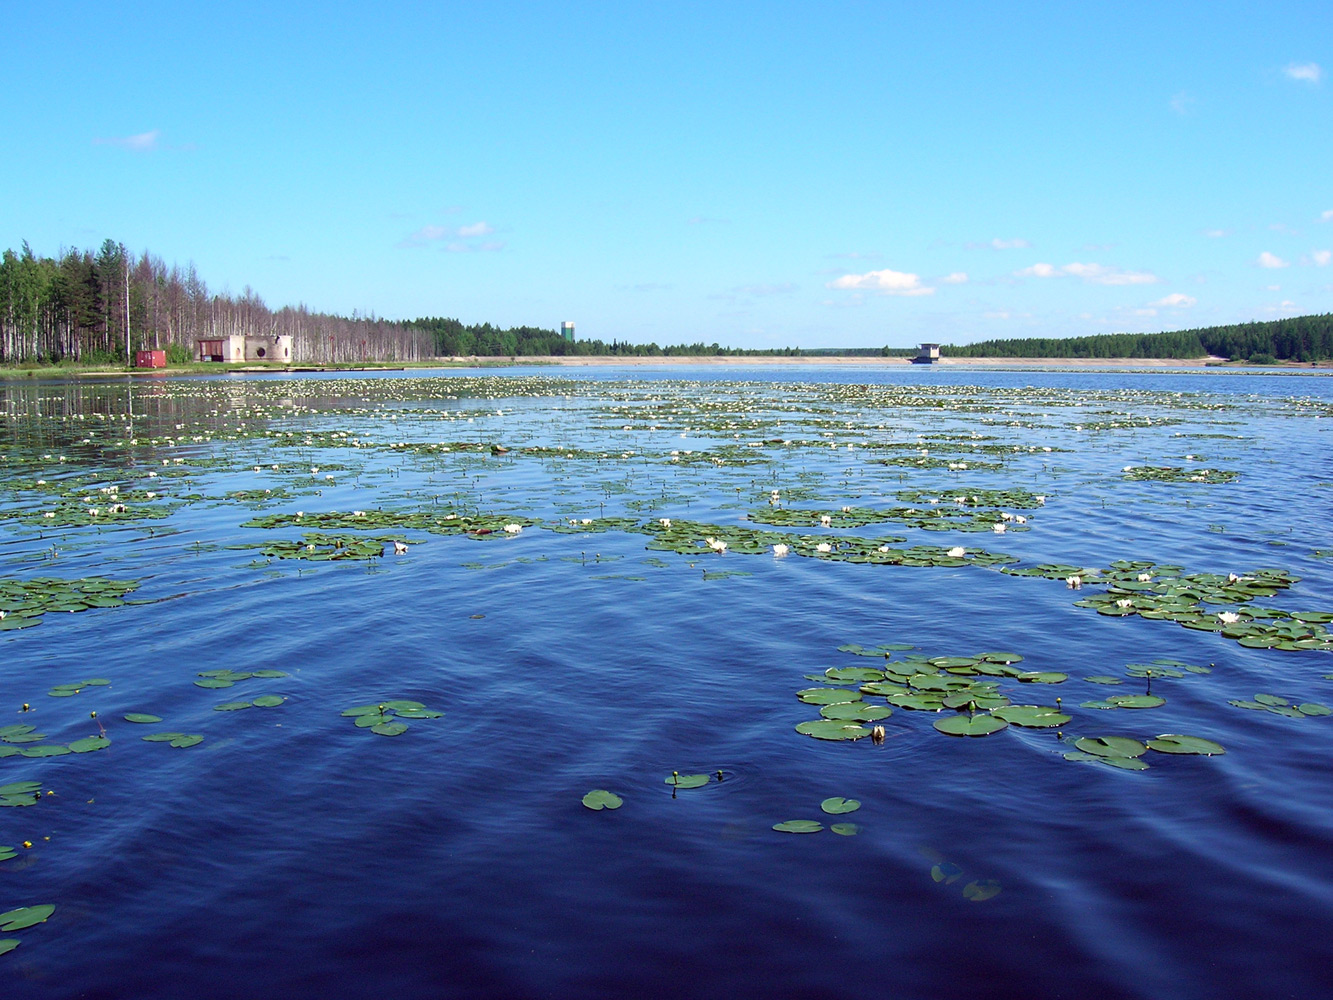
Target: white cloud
{"points": [[1267, 259], [1097, 274], [140, 143], [1176, 300], [1216, 234], [424, 235], [1322, 257], [1038, 271], [999, 314], [1145, 312], [476, 229], [886, 282], [956, 278], [1305, 72], [1273, 288], [1326, 216], [999, 244], [1181, 102]]}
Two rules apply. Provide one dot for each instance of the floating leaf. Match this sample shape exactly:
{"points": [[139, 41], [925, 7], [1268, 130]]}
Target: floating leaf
{"points": [[687, 780], [1136, 700], [798, 826], [1314, 708], [856, 712], [25, 916], [845, 829], [1175, 743], [141, 717], [181, 742], [232, 706], [1111, 746], [268, 673], [213, 682], [600, 798], [268, 701], [1031, 716], [90, 743], [837, 805], [832, 729], [828, 696], [8, 945], [45, 751], [389, 729], [977, 725]]}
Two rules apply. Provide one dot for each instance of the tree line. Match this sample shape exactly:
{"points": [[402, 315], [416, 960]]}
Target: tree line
{"points": [[1299, 338], [100, 307]]}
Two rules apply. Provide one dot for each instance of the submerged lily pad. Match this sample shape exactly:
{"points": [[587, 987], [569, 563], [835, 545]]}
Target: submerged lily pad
{"points": [[981, 890], [600, 798], [946, 872]]}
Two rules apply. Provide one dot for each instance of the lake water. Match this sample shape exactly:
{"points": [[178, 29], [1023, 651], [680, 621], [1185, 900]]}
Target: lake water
{"points": [[294, 853]]}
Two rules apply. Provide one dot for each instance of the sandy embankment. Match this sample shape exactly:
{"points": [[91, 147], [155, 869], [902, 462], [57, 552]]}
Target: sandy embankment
{"points": [[864, 362]]}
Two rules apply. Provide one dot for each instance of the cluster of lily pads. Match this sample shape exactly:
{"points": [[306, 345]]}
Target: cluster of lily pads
{"points": [[70, 690], [316, 546], [24, 741], [1176, 474], [386, 718], [978, 890], [21, 919], [18, 793], [1281, 706], [835, 805], [927, 518], [471, 525], [1125, 753], [226, 678], [24, 602]]}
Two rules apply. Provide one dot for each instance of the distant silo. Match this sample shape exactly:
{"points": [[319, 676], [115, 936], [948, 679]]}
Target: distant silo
{"points": [[567, 329]]}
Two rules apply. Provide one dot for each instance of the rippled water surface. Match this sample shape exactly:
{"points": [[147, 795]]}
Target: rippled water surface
{"points": [[574, 642]]}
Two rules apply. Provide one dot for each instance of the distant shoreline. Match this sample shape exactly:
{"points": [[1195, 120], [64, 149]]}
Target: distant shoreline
{"points": [[881, 362]]}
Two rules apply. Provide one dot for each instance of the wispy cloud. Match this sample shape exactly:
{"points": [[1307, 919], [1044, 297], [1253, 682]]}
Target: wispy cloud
{"points": [[488, 247], [1097, 274], [1305, 72], [956, 278], [1180, 103], [1176, 300], [998, 244], [1326, 216], [141, 143], [1216, 234], [433, 234], [1322, 258], [885, 282], [1267, 259]]}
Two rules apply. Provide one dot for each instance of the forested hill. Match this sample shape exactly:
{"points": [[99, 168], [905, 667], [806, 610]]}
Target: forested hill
{"points": [[1300, 338]]}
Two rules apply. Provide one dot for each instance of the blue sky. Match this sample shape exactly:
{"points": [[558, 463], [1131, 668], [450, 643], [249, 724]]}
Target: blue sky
{"points": [[760, 175]]}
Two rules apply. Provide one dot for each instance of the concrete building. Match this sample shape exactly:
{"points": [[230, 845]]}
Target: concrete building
{"points": [[238, 348], [928, 354]]}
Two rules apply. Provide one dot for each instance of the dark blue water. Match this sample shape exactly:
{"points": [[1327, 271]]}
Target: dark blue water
{"points": [[292, 854]]}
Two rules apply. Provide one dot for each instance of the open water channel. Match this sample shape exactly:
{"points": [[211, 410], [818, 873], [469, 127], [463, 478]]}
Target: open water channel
{"points": [[383, 633]]}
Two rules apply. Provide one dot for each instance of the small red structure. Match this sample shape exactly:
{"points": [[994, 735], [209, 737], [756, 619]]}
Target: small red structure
{"points": [[150, 359]]}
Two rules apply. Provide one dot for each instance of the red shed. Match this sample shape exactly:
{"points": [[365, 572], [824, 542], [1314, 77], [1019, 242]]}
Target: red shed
{"points": [[150, 359]]}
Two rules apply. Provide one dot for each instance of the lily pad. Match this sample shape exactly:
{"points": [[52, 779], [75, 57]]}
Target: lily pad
{"points": [[142, 718], [1175, 743], [8, 945], [836, 805], [977, 725], [600, 798], [90, 743], [268, 701], [856, 712], [1111, 746], [232, 706], [828, 696], [1136, 700], [798, 826], [25, 916], [946, 872], [981, 890], [832, 729], [1031, 716], [182, 742], [687, 780], [389, 729]]}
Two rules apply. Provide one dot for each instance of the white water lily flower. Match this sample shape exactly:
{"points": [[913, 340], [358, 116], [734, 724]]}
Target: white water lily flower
{"points": [[1124, 602], [358, 513], [49, 513], [399, 548], [1020, 519], [1228, 617], [1232, 578], [717, 545], [300, 513], [998, 528], [825, 520], [1074, 582], [664, 522], [586, 520], [41, 482], [1145, 577], [93, 511], [1006, 516], [957, 552], [151, 495], [884, 548], [823, 547], [1040, 499], [780, 550], [513, 529], [153, 475]]}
